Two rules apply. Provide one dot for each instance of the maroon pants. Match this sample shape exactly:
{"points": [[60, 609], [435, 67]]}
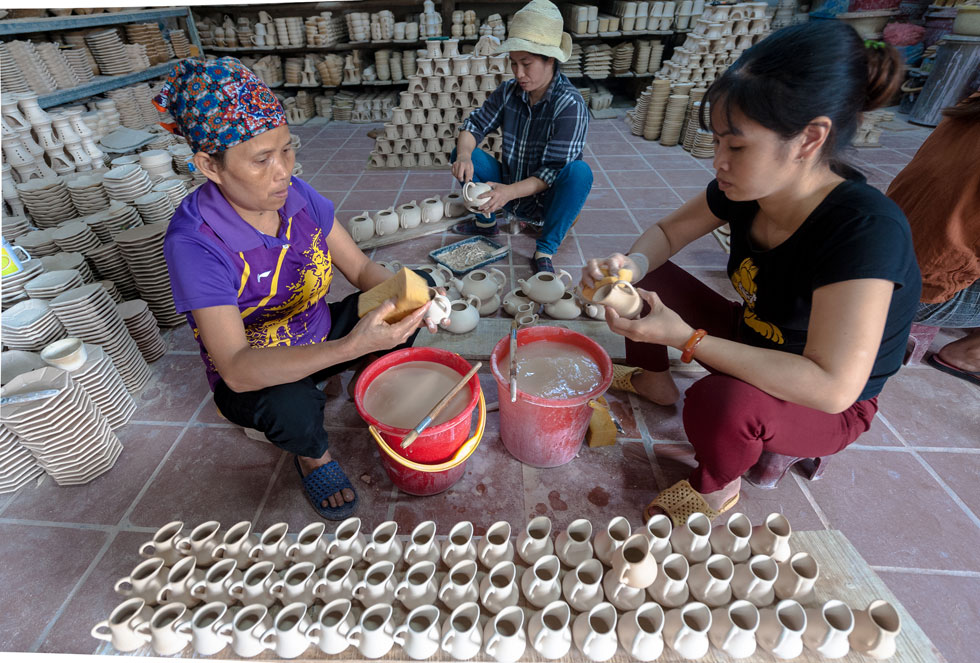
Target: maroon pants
{"points": [[729, 422]]}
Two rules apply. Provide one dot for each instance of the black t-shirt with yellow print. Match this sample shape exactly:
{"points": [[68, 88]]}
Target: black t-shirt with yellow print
{"points": [[855, 233]]}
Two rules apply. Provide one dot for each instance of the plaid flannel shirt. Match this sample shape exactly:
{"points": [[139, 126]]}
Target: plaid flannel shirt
{"points": [[537, 141]]}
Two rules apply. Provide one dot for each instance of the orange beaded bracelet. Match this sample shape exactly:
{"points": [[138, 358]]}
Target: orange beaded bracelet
{"points": [[688, 351]]}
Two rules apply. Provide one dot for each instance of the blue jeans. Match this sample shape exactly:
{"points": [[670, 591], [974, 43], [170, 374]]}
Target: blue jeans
{"points": [[563, 200]]}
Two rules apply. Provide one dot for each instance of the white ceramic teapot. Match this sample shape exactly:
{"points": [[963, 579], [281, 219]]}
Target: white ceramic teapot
{"points": [[439, 274], [464, 316], [565, 308], [481, 283], [545, 287], [473, 193], [385, 222], [361, 227], [409, 215], [453, 204], [432, 210], [440, 308], [513, 300]]}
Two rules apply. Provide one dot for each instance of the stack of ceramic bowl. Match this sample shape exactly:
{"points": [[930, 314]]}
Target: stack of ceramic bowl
{"points": [[78, 60], [127, 183], [174, 188], [110, 287], [673, 119], [598, 61], [157, 164], [38, 243], [109, 52], [639, 113], [11, 73], [128, 106], [17, 464], [67, 434], [622, 58], [87, 194], [105, 386], [143, 328], [18, 362], [75, 236], [69, 260], [148, 34], [47, 200], [30, 325], [15, 226], [57, 65], [12, 285], [110, 222], [51, 284], [138, 56], [109, 261], [89, 313], [28, 60], [155, 207], [704, 146], [142, 248], [178, 40]]}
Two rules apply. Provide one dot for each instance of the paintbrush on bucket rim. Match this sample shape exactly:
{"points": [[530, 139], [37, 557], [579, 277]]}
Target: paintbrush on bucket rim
{"points": [[434, 412]]}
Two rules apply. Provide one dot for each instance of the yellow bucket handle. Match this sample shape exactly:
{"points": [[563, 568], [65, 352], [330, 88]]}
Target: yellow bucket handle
{"points": [[460, 457]]}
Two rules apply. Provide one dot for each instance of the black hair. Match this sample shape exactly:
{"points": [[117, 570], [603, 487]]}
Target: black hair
{"points": [[802, 72], [546, 57], [219, 159]]}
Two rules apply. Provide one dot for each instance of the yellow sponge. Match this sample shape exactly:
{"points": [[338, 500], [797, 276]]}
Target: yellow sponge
{"points": [[602, 430], [408, 288]]}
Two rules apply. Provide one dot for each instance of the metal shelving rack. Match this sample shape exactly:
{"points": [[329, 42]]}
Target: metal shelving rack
{"points": [[100, 84]]}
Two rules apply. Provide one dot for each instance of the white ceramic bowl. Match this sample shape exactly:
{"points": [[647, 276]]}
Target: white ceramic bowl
{"points": [[67, 354]]}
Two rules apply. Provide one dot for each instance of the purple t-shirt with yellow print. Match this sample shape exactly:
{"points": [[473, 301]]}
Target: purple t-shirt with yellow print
{"points": [[279, 283]]}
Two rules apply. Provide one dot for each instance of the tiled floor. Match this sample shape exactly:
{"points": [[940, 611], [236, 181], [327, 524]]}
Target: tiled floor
{"points": [[905, 494]]}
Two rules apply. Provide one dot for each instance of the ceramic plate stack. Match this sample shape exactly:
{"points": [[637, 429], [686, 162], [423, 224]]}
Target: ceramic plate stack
{"points": [[51, 284], [142, 249], [148, 34], [47, 200], [28, 60], [15, 226], [622, 58], [704, 146], [640, 113], [17, 464], [11, 73], [67, 434], [127, 183], [157, 163], [155, 207], [129, 110], [12, 285], [109, 261], [78, 61], [18, 362], [673, 119], [57, 65], [38, 243], [71, 260], [178, 40], [89, 313], [138, 56], [659, 92], [87, 194], [110, 287], [573, 67], [143, 328], [75, 236], [110, 222], [109, 52], [174, 188], [598, 61], [30, 325], [105, 387]]}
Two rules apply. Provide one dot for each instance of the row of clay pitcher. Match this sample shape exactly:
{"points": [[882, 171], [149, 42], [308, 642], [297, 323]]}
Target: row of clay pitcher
{"points": [[713, 583]]}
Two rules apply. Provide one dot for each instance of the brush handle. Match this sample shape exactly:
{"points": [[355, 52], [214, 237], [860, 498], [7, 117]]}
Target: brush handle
{"points": [[434, 412]]}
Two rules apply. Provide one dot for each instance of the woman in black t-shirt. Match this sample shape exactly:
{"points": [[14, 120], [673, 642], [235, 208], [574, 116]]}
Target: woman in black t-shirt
{"points": [[822, 262]]}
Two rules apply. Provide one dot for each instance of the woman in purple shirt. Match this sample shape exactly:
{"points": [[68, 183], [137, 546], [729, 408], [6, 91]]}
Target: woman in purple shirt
{"points": [[251, 255]]}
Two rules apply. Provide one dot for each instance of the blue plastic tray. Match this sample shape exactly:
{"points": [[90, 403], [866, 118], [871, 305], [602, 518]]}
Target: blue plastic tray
{"points": [[437, 255]]}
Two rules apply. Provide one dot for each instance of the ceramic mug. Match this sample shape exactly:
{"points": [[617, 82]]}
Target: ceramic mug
{"points": [[211, 628], [337, 580], [145, 581], [168, 631], [459, 545], [535, 541], [504, 637], [120, 627], [462, 637], [330, 630], [164, 543], [378, 585], [419, 586], [419, 636], [373, 634], [247, 628], [550, 630], [495, 546], [422, 544], [287, 637], [573, 546], [498, 589]]}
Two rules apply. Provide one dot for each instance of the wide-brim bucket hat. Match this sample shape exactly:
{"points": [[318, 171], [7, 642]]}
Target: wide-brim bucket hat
{"points": [[538, 28]]}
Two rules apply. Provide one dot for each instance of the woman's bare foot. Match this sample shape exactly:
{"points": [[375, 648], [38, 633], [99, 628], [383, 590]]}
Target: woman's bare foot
{"points": [[335, 500], [963, 354], [715, 500], [656, 386]]}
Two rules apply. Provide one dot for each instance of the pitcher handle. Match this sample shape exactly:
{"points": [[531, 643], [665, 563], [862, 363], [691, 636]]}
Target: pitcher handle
{"points": [[494, 273], [146, 547], [97, 631], [562, 273]]}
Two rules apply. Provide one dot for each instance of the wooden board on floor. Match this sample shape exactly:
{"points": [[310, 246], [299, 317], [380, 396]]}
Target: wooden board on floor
{"points": [[844, 575], [404, 235]]}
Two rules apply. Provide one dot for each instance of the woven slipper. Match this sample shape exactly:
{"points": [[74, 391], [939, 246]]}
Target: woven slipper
{"points": [[623, 378], [323, 482], [945, 367], [681, 500]]}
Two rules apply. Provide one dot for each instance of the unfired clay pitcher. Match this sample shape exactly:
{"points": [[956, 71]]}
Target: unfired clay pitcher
{"points": [[550, 630], [772, 537], [633, 564], [733, 629], [669, 588], [658, 530], [828, 628], [594, 632], [731, 538], [781, 629], [621, 297], [875, 630], [640, 632], [686, 630]]}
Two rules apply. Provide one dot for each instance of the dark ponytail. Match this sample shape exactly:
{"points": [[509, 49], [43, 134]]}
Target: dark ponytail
{"points": [[802, 72]]}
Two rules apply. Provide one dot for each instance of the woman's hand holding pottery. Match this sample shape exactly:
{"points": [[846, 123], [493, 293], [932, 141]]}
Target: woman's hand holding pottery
{"points": [[661, 325], [372, 333], [593, 270]]}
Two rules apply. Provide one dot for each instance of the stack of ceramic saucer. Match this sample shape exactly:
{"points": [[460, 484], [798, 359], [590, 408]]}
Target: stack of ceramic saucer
{"points": [[598, 61], [673, 119], [28, 60], [67, 434], [78, 60], [142, 248], [704, 146], [178, 40], [659, 93], [143, 328], [105, 386], [157, 164], [15, 226], [640, 113], [622, 57], [109, 52], [89, 313], [38, 243], [51, 284], [109, 261], [57, 65], [11, 73], [110, 287], [138, 56], [110, 222], [30, 325], [17, 464], [87, 194], [148, 34], [155, 207], [127, 183], [47, 200], [130, 115], [12, 285], [18, 362], [75, 236], [70, 260], [174, 188]]}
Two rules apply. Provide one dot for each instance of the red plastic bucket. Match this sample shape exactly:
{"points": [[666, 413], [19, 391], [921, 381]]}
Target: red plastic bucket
{"points": [[539, 431], [435, 460]]}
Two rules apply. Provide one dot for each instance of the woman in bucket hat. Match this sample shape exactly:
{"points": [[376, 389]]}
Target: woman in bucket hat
{"points": [[543, 120]]}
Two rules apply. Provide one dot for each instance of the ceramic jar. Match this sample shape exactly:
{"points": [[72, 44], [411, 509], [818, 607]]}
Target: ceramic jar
{"points": [[710, 581], [686, 630], [732, 538], [473, 193], [422, 544], [255, 585], [545, 287], [611, 538], [504, 637], [692, 538], [247, 627], [594, 632], [361, 227], [145, 581], [419, 586], [272, 546], [217, 582], [201, 542], [385, 222], [582, 587], [297, 584], [669, 588], [781, 629], [329, 632], [875, 630], [377, 586], [640, 632], [374, 634], [419, 635], [337, 580], [828, 629], [164, 543], [796, 577], [549, 630], [310, 546], [753, 580], [772, 537], [348, 541], [573, 546], [566, 308], [657, 530], [462, 637], [733, 629], [540, 583], [237, 542], [211, 628], [498, 589], [535, 541], [495, 546], [432, 210], [632, 563], [120, 627], [459, 545], [460, 585], [464, 315], [384, 544], [409, 215]]}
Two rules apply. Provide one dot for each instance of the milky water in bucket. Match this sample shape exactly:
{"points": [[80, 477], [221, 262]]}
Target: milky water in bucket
{"points": [[403, 394], [555, 370]]}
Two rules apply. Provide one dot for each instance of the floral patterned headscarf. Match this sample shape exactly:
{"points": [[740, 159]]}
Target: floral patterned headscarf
{"points": [[217, 104]]}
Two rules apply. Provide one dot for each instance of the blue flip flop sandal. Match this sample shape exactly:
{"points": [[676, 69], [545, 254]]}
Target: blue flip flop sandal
{"points": [[323, 482]]}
